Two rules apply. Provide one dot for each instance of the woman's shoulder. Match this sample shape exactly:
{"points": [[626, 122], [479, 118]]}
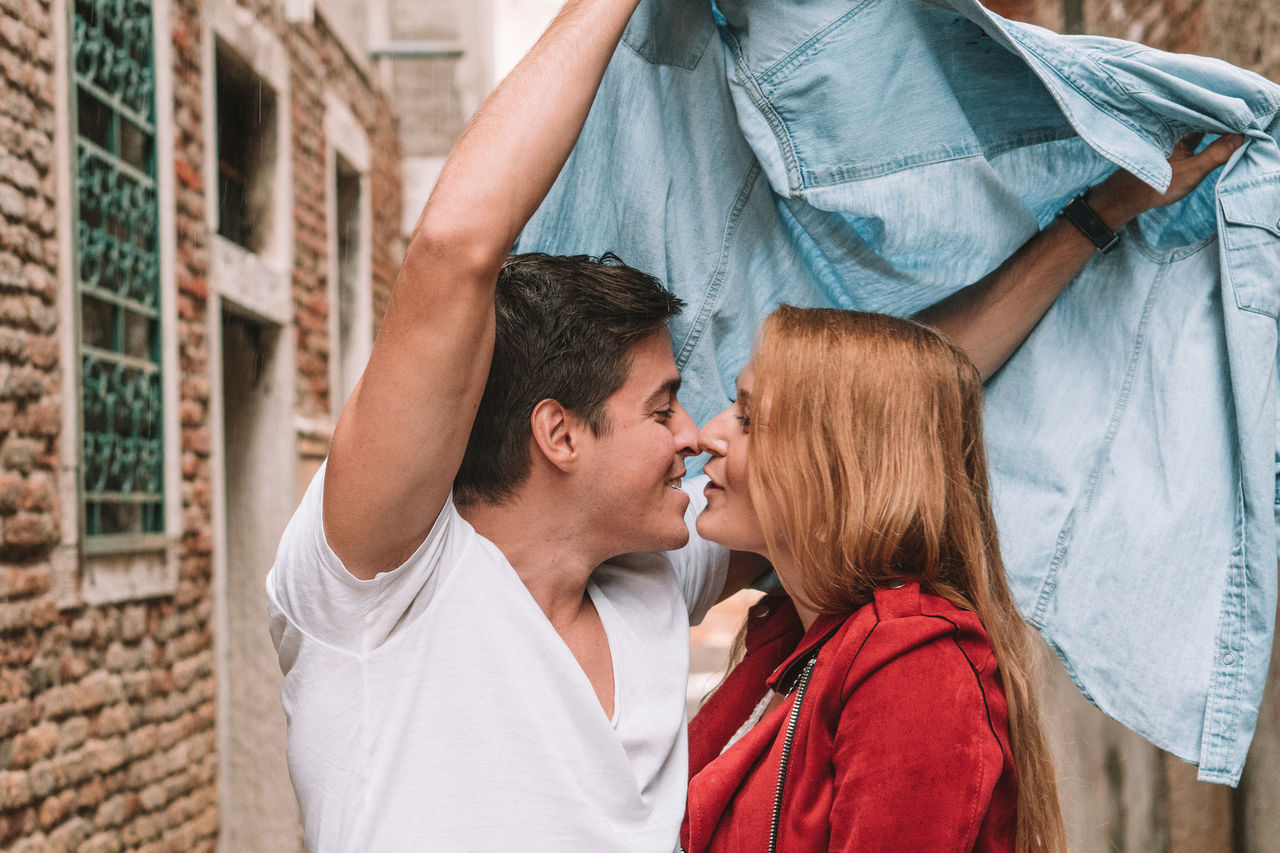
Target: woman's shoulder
{"points": [[904, 629]]}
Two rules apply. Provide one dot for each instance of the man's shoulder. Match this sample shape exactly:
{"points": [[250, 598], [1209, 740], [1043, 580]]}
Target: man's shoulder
{"points": [[310, 587]]}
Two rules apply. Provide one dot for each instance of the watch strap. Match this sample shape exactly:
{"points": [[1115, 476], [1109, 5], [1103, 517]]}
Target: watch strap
{"points": [[1082, 216]]}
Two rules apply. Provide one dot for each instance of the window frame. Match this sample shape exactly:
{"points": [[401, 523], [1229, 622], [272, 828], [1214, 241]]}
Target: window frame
{"points": [[345, 138], [108, 568]]}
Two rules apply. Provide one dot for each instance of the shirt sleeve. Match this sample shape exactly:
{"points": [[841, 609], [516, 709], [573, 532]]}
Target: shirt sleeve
{"points": [[915, 756], [310, 587], [700, 566]]}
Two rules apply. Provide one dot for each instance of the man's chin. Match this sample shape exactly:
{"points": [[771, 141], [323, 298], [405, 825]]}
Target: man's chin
{"points": [[673, 533], [672, 540], [679, 540]]}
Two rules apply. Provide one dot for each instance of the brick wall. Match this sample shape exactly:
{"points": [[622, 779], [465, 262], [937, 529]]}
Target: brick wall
{"points": [[29, 377], [1176, 25], [1243, 32], [320, 63], [108, 714]]}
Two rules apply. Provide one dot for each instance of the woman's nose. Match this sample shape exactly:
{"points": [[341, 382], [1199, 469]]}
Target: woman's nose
{"points": [[711, 437]]}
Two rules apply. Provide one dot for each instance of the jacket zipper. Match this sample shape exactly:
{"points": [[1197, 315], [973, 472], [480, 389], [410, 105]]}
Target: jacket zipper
{"points": [[792, 721]]}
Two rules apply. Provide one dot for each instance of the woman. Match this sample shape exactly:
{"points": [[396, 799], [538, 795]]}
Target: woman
{"points": [[853, 459]]}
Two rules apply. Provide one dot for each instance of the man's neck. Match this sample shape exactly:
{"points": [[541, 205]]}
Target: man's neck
{"points": [[551, 552]]}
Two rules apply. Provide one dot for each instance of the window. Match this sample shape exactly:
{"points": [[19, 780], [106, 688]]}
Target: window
{"points": [[351, 276], [350, 225], [117, 275], [246, 118]]}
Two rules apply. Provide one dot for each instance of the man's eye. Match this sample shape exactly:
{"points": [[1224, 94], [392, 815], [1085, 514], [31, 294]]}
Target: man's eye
{"points": [[664, 415]]}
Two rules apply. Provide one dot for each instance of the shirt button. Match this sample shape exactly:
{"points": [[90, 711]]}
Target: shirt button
{"points": [[1228, 659]]}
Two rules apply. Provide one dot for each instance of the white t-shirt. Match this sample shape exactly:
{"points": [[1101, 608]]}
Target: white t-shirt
{"points": [[435, 707]]}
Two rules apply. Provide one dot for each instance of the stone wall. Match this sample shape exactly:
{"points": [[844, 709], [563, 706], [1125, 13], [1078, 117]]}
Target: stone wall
{"points": [[108, 714]]}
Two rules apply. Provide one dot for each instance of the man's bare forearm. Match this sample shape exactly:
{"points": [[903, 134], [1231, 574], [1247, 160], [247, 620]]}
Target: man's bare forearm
{"points": [[989, 320]]}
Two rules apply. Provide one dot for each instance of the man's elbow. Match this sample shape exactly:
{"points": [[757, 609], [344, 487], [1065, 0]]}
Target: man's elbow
{"points": [[464, 250]]}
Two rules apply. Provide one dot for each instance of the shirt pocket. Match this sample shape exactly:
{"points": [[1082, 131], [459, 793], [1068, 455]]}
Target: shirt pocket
{"points": [[1251, 243]]}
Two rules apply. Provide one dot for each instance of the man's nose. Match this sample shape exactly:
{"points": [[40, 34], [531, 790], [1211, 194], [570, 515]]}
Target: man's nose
{"points": [[686, 432]]}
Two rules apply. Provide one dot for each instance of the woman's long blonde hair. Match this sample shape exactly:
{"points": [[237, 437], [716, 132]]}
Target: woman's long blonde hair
{"points": [[866, 465]]}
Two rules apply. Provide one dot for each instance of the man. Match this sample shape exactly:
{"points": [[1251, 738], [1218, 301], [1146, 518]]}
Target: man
{"points": [[482, 671]]}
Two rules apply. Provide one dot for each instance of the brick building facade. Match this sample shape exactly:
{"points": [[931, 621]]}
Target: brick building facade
{"points": [[129, 714]]}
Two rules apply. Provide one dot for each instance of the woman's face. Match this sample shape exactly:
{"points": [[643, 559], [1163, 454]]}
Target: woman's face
{"points": [[730, 516]]}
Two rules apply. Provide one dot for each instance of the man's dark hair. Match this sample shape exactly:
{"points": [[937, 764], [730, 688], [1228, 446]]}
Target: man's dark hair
{"points": [[565, 328]]}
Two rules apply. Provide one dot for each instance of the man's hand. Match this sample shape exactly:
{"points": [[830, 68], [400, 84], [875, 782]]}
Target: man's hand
{"points": [[989, 320], [1122, 197]]}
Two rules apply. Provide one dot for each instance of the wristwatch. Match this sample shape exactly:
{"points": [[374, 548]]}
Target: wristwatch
{"points": [[1081, 215]]}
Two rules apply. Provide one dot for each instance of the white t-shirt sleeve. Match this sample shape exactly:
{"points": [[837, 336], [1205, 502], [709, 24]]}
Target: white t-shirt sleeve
{"points": [[310, 587], [702, 566]]}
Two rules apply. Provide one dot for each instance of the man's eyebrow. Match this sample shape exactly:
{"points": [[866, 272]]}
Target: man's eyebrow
{"points": [[669, 389]]}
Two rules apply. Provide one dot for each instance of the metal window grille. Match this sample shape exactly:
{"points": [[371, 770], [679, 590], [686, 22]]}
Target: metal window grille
{"points": [[117, 273]]}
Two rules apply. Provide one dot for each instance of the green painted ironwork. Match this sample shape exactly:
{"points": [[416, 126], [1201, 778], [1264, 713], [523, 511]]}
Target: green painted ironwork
{"points": [[118, 269]]}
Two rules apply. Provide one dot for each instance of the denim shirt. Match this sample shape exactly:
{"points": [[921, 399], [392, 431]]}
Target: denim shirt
{"points": [[881, 154]]}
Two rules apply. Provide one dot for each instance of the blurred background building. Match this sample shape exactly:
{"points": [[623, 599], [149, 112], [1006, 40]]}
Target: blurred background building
{"points": [[203, 204]]}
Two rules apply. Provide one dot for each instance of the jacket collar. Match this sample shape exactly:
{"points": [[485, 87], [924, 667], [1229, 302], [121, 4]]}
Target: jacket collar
{"points": [[823, 628], [770, 619]]}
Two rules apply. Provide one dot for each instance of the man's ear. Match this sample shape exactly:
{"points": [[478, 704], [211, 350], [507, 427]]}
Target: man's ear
{"points": [[557, 433]]}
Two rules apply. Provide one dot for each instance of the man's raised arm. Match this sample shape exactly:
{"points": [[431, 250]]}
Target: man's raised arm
{"points": [[401, 435], [989, 320]]}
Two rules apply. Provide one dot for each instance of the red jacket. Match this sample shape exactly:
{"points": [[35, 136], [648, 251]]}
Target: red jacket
{"points": [[902, 743]]}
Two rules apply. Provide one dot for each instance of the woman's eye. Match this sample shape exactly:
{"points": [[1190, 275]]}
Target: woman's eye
{"points": [[743, 421]]}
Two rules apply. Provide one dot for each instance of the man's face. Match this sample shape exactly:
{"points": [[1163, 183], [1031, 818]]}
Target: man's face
{"points": [[633, 477]]}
